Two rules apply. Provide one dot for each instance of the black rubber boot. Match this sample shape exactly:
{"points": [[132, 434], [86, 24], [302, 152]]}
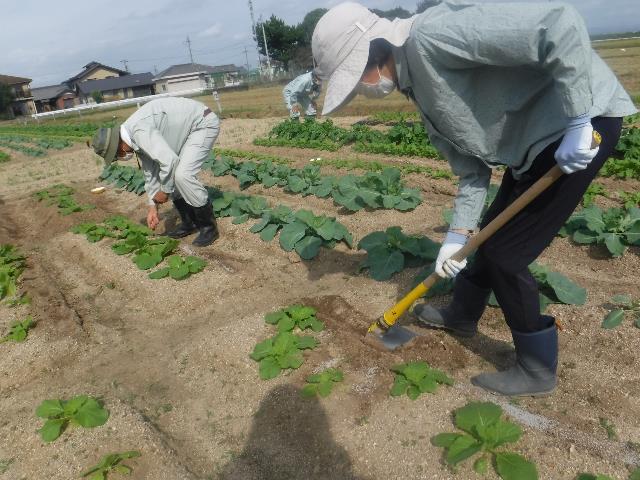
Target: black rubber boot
{"points": [[534, 373], [206, 223], [461, 316], [187, 220]]}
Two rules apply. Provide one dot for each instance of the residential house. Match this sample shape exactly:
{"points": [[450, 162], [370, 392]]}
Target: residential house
{"points": [[94, 71], [22, 103], [117, 88], [190, 76], [54, 97]]}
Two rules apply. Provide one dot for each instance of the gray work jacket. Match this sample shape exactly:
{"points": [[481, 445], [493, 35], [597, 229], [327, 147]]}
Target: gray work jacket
{"points": [[496, 84], [300, 87], [158, 131]]}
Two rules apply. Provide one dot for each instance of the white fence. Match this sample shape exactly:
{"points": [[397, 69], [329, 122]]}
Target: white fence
{"points": [[116, 103]]}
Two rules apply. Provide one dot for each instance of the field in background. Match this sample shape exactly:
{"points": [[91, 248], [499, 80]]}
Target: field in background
{"points": [[623, 56]]}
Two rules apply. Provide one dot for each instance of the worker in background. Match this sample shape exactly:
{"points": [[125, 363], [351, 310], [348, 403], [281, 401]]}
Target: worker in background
{"points": [[496, 84], [171, 137], [301, 93]]}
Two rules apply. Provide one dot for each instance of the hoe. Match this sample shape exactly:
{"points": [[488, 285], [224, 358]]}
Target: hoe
{"points": [[391, 335]]}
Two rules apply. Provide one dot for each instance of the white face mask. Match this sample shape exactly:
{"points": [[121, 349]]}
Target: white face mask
{"points": [[127, 156], [381, 89]]}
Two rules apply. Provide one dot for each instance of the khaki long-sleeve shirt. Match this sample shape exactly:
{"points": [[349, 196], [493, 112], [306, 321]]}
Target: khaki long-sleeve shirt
{"points": [[158, 131], [497, 83]]}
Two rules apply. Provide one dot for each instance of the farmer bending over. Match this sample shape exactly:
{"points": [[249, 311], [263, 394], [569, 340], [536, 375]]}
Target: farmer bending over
{"points": [[172, 137], [302, 91], [496, 84]]}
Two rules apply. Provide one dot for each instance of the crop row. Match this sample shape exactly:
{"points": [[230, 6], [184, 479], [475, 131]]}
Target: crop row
{"points": [[53, 129], [46, 142], [626, 162], [404, 138], [61, 196], [21, 147], [300, 230], [148, 252], [372, 190]]}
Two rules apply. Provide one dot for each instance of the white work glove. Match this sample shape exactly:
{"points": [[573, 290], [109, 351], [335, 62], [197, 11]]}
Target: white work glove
{"points": [[575, 152], [446, 267]]}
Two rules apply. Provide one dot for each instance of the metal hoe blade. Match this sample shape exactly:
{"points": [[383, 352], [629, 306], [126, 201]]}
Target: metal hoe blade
{"points": [[395, 336]]}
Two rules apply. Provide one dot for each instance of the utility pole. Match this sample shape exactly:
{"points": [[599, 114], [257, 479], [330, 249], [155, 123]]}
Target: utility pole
{"points": [[126, 64], [253, 29], [188, 44], [266, 50], [246, 56], [155, 69]]}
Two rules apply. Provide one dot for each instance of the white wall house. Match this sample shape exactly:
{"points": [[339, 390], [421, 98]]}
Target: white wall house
{"points": [[194, 75]]}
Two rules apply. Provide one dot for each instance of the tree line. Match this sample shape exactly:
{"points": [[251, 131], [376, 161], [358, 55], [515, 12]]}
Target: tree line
{"points": [[290, 45]]}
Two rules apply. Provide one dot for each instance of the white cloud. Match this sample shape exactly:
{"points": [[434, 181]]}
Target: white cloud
{"points": [[213, 31]]}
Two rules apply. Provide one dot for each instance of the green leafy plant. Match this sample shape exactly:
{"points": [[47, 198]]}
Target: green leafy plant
{"points": [[147, 251], [272, 222], [608, 427], [281, 352], [404, 138], [125, 177], [55, 129], [111, 463], [18, 331], [593, 190], [553, 288], [301, 231], [59, 414], [375, 166], [322, 383], [155, 250], [615, 228], [635, 475], [28, 150], [288, 318], [390, 251], [375, 190], [4, 156], [390, 118], [62, 196], [630, 199], [627, 161], [416, 378], [484, 432], [12, 264], [622, 304], [308, 134], [308, 232], [179, 268]]}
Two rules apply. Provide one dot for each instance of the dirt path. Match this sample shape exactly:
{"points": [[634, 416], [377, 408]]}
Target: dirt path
{"points": [[170, 359]]}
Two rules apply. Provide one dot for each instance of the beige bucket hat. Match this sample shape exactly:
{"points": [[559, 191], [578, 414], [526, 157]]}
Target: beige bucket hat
{"points": [[340, 46]]}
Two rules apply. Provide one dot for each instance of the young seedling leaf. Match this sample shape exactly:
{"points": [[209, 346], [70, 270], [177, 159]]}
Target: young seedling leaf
{"points": [[613, 319], [511, 466], [415, 378]]}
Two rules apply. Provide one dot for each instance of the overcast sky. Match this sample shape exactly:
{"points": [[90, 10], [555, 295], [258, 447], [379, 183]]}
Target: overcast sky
{"points": [[52, 43]]}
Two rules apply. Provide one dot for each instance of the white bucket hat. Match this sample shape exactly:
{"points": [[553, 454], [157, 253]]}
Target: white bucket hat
{"points": [[340, 46]]}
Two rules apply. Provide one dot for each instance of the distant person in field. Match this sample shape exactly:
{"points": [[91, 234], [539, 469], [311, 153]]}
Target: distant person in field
{"points": [[171, 137], [302, 93], [496, 84]]}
